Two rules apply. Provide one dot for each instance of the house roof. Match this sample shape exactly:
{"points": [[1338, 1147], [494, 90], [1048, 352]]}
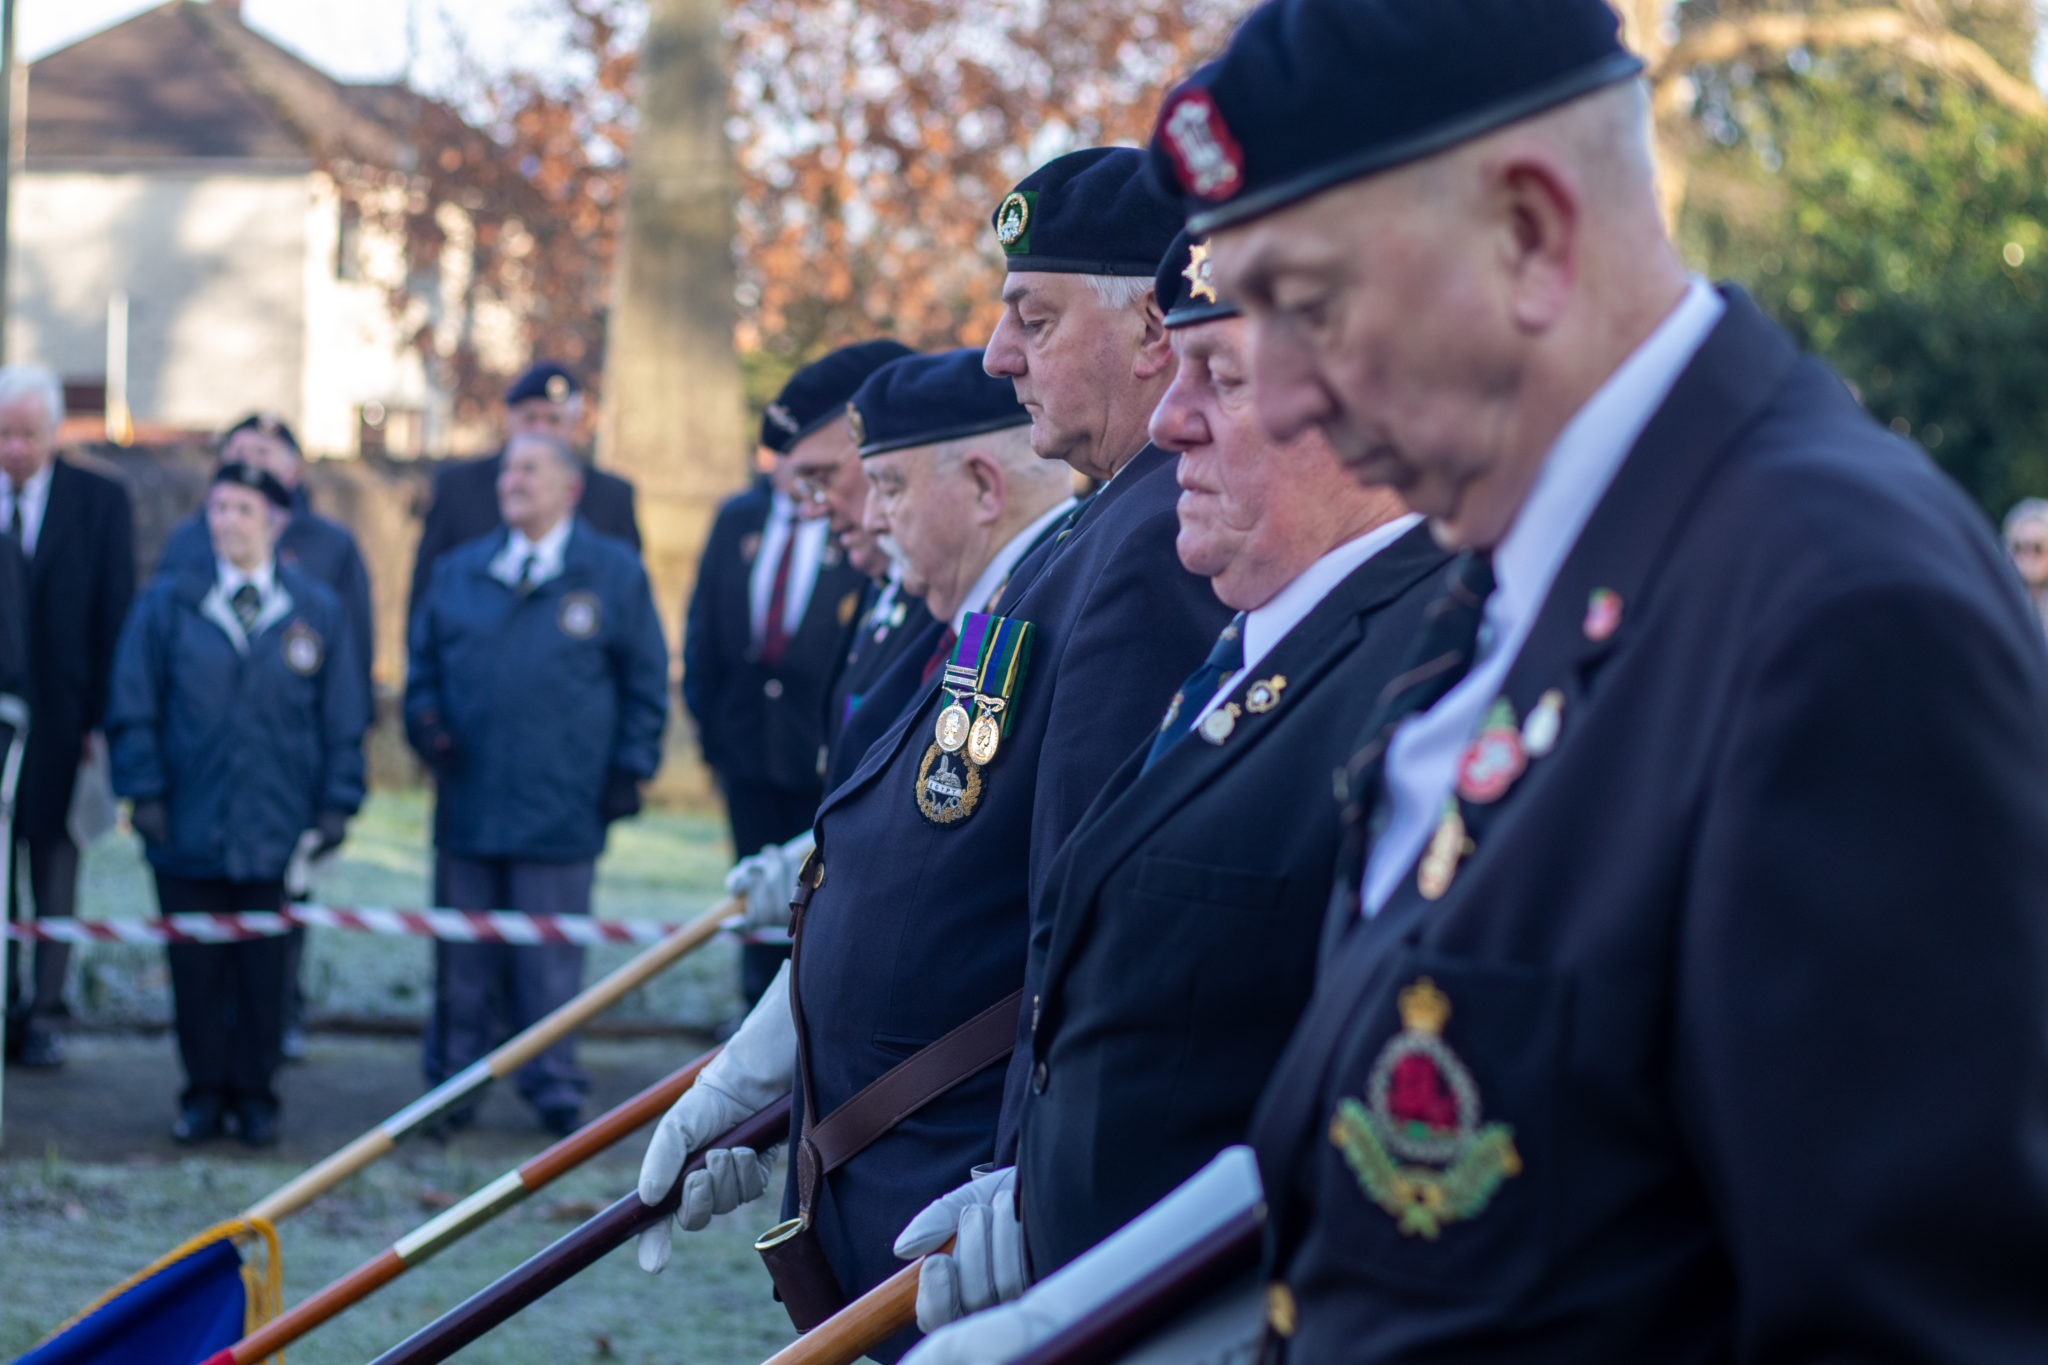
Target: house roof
{"points": [[190, 80]]}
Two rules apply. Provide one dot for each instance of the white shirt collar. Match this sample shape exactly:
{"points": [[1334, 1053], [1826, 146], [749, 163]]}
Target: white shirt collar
{"points": [[997, 572], [1273, 620], [547, 553], [1422, 758], [263, 577]]}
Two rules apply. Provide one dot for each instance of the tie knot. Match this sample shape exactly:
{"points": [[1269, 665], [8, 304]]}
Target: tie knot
{"points": [[1472, 577], [1228, 654], [245, 596]]}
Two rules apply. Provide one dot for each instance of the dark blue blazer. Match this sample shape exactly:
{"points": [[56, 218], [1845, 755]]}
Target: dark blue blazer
{"points": [[883, 699], [80, 582], [1753, 966], [545, 695], [918, 927], [322, 548], [13, 625], [756, 722], [872, 648], [245, 750], [1185, 911]]}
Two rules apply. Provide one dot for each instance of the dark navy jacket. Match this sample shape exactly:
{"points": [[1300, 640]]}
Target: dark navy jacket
{"points": [[1186, 909], [759, 722], [317, 546], [918, 927], [545, 696], [246, 750], [1752, 966]]}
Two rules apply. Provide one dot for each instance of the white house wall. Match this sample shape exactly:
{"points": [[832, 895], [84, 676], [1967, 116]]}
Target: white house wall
{"points": [[215, 266]]}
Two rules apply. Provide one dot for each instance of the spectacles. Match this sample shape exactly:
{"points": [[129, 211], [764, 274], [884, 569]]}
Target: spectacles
{"points": [[2026, 547], [806, 488]]}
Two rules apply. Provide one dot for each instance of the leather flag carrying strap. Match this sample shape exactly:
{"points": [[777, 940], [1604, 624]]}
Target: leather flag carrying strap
{"points": [[803, 1278]]}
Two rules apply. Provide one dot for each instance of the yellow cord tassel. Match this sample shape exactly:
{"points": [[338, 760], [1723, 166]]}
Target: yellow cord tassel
{"points": [[262, 1293]]}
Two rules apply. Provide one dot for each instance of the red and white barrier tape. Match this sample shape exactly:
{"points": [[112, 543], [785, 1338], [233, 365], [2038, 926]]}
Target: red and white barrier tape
{"points": [[450, 926]]}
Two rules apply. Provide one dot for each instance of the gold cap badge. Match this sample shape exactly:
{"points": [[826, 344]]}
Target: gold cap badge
{"points": [[858, 424], [1197, 274]]}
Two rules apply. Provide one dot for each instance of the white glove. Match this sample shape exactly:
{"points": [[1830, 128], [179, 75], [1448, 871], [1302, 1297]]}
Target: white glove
{"points": [[754, 1069], [1205, 1202], [986, 1266], [768, 881]]}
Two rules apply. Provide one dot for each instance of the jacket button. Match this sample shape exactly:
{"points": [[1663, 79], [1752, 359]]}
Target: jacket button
{"points": [[772, 688], [1039, 1076]]}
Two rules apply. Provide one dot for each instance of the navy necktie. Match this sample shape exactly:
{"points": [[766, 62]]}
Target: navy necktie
{"points": [[1225, 659], [247, 602], [1440, 658]]}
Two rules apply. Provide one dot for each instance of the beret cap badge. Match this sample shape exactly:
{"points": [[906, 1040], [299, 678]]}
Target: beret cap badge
{"points": [[782, 417], [1013, 220], [1197, 274], [1206, 157], [858, 424], [558, 388]]}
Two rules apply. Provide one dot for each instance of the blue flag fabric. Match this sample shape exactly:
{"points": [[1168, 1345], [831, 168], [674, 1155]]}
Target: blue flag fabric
{"points": [[179, 1315]]}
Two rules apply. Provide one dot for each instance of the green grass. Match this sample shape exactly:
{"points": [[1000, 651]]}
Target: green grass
{"points": [[69, 1230]]}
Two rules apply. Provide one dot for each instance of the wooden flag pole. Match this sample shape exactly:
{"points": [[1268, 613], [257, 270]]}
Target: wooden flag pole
{"points": [[862, 1325], [457, 1222], [509, 1057], [571, 1254]]}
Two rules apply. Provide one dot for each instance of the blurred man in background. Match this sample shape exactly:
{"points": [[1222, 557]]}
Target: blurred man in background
{"points": [[537, 691], [75, 531], [323, 549], [768, 625], [545, 401], [2026, 540], [237, 725]]}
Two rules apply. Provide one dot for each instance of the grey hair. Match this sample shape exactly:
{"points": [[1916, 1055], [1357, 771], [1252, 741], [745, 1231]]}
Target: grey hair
{"points": [[1009, 448], [556, 446], [34, 381], [2026, 510], [1119, 292]]}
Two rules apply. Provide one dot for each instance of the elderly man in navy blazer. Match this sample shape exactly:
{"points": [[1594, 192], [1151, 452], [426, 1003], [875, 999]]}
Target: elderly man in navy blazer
{"points": [[1685, 994]]}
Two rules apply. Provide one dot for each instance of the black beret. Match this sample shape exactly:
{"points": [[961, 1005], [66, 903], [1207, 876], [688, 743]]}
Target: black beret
{"points": [[268, 425], [1092, 212], [1182, 285], [1312, 93], [922, 400], [249, 476], [547, 379], [818, 393]]}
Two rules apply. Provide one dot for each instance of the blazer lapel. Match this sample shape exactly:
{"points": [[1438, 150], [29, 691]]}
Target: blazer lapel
{"points": [[1319, 643], [1742, 363], [52, 537]]}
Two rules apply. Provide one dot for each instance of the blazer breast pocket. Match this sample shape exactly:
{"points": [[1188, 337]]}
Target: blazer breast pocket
{"points": [[1436, 1145], [1191, 883]]}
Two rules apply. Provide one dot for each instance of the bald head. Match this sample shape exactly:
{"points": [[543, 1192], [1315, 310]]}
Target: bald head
{"points": [[1442, 321]]}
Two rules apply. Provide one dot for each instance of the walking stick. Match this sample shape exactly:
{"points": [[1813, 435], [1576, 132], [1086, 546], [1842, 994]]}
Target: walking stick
{"points": [[310, 1185], [13, 715], [570, 1255], [862, 1325], [457, 1222]]}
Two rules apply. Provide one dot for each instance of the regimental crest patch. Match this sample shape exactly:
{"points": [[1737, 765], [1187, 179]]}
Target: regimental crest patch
{"points": [[1206, 157], [1416, 1144], [948, 786], [303, 650], [580, 615], [1013, 223]]}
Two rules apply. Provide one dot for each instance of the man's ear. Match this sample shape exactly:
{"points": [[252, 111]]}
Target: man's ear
{"points": [[1155, 348], [1539, 212], [989, 486]]}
